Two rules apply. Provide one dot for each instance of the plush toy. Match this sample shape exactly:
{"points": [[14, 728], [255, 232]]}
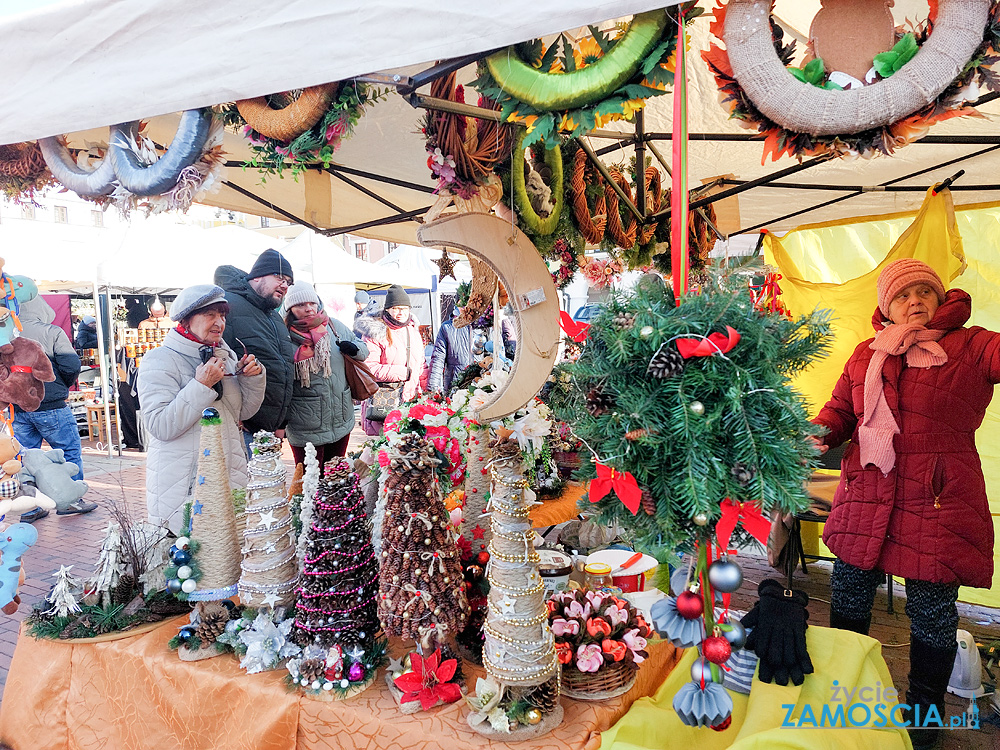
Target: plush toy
{"points": [[24, 368], [52, 475], [14, 541], [17, 496]]}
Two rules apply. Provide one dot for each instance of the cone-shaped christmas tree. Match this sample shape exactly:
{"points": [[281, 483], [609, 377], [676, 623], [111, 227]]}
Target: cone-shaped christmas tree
{"points": [[519, 650], [336, 605], [270, 571], [213, 521], [421, 589]]}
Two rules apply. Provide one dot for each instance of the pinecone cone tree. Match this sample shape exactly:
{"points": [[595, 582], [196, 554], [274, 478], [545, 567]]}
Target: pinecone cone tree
{"points": [[599, 402], [421, 588], [667, 362], [336, 599]]}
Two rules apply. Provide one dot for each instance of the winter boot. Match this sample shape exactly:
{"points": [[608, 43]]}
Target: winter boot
{"points": [[930, 671], [840, 622]]}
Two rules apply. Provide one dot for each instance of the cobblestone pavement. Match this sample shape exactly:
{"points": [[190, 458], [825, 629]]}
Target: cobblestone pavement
{"points": [[75, 540]]}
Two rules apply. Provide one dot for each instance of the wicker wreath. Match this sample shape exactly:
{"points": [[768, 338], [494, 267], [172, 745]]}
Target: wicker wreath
{"points": [[591, 225], [291, 120], [958, 46], [22, 171], [624, 236]]}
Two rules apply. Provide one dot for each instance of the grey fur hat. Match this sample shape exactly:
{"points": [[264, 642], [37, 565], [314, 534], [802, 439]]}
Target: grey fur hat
{"points": [[194, 298]]}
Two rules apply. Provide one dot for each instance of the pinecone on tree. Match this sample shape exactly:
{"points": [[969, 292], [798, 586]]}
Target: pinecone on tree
{"points": [[214, 617], [312, 670], [648, 502], [125, 590], [599, 402], [624, 320], [667, 362], [743, 474], [545, 697]]}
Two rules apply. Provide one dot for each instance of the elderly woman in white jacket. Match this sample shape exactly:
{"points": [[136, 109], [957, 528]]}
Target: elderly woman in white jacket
{"points": [[193, 370]]}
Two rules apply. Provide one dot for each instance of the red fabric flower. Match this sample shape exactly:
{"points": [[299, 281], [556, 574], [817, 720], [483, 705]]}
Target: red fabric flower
{"points": [[552, 606], [429, 682], [564, 651], [598, 626], [383, 459], [615, 649]]}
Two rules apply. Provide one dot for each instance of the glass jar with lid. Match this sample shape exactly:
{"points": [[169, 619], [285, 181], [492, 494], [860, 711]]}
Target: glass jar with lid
{"points": [[598, 576]]}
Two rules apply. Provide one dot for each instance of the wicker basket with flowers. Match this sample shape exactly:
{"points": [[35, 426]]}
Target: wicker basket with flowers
{"points": [[600, 641]]}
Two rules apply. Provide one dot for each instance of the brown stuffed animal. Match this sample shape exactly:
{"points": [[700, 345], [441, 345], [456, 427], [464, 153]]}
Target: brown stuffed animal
{"points": [[24, 370]]}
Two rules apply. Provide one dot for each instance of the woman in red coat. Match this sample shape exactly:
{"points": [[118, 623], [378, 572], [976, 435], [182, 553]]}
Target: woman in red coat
{"points": [[912, 499]]}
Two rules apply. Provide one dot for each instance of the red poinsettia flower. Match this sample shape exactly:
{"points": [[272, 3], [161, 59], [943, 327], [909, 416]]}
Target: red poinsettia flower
{"points": [[430, 681], [564, 652], [597, 627], [615, 649]]}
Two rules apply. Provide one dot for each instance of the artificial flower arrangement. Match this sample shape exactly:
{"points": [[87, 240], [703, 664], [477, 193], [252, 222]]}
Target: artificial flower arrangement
{"points": [[601, 273], [435, 417], [260, 638], [597, 632], [323, 673]]}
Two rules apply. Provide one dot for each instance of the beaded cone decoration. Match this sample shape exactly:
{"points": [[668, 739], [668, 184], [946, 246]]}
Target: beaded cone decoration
{"points": [[421, 588], [336, 600], [269, 568], [213, 520]]}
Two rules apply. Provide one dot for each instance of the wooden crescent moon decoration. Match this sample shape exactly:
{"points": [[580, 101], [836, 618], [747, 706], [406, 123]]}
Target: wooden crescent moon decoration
{"points": [[528, 282], [804, 108]]}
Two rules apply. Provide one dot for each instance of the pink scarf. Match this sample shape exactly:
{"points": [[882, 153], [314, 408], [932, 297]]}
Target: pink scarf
{"points": [[920, 346]]}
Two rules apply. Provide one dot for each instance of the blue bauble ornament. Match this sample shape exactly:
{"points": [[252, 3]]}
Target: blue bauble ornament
{"points": [[210, 413], [174, 586], [725, 576], [185, 633], [173, 551], [737, 637], [181, 557]]}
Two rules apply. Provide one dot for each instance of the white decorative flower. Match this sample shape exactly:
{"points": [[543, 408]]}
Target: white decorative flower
{"points": [[267, 644]]}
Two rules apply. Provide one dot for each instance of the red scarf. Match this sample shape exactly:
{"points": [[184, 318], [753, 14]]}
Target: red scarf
{"points": [[306, 332], [190, 336]]}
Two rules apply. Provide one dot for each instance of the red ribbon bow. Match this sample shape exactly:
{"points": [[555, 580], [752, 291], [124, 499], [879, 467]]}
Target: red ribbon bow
{"points": [[574, 329], [623, 484], [715, 343], [746, 513]]}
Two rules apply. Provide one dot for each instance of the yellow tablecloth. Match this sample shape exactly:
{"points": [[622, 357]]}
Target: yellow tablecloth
{"points": [[134, 693], [839, 657]]}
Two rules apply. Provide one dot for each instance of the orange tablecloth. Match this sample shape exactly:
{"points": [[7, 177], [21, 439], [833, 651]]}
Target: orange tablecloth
{"points": [[134, 693], [559, 509]]}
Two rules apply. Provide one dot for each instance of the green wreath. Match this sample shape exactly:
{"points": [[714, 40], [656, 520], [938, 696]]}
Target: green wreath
{"points": [[582, 88], [526, 213]]}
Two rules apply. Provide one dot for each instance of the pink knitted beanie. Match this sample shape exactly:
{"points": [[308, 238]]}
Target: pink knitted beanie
{"points": [[903, 273]]}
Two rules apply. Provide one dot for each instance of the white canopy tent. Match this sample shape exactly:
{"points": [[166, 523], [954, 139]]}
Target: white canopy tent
{"points": [[76, 65]]}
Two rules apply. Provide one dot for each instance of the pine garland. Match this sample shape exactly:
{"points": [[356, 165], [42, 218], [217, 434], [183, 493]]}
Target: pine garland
{"points": [[721, 412]]}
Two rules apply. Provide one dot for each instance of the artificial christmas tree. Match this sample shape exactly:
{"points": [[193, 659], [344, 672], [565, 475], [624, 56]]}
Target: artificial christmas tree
{"points": [[269, 570], [519, 650], [421, 590]]}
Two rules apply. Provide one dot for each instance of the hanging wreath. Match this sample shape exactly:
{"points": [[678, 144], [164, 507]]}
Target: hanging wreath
{"points": [[22, 171], [85, 181], [803, 113], [570, 90], [462, 151], [539, 205], [333, 109], [591, 222], [701, 240]]}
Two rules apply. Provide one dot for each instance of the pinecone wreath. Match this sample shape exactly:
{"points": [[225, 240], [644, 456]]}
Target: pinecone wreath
{"points": [[599, 402], [214, 617], [667, 362], [544, 697], [624, 320], [312, 670]]}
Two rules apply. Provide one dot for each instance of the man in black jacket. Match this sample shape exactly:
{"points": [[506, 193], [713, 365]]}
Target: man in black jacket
{"points": [[254, 325], [53, 421]]}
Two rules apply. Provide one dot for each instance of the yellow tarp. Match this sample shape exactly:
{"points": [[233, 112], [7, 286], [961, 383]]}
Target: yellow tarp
{"points": [[760, 720], [835, 266]]}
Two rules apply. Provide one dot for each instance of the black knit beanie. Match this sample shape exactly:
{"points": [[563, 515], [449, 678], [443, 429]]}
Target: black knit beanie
{"points": [[397, 297], [271, 262]]}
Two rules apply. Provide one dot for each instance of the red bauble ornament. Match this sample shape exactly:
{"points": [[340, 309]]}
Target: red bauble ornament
{"points": [[723, 725], [689, 605], [716, 649], [482, 558]]}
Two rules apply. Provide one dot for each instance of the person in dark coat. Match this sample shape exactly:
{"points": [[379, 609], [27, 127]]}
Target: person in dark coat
{"points": [[912, 499], [86, 333], [255, 325]]}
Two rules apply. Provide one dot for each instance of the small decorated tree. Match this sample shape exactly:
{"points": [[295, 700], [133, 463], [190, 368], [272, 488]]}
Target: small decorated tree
{"points": [[63, 594], [336, 618], [269, 571], [110, 565], [421, 591]]}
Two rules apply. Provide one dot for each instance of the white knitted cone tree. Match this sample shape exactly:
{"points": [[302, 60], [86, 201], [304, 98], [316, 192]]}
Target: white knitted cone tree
{"points": [[213, 520], [519, 650], [269, 569]]}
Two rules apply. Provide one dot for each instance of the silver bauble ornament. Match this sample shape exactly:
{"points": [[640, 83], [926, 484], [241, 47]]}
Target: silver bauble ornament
{"points": [[737, 637], [725, 576], [701, 670], [645, 332], [700, 520], [697, 407]]}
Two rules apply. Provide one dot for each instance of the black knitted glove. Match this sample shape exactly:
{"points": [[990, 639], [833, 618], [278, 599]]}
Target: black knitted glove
{"points": [[348, 347], [779, 627]]}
